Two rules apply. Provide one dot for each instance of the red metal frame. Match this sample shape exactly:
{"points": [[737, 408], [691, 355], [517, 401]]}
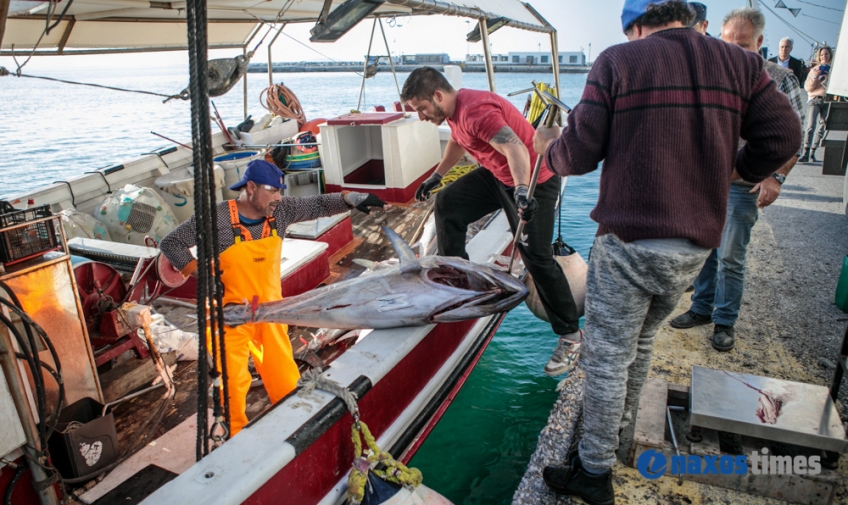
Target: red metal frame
{"points": [[391, 195], [337, 237], [127, 343], [307, 276], [24, 494]]}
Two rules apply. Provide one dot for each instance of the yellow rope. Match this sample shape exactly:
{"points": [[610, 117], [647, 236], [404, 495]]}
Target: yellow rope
{"points": [[452, 175], [536, 104], [394, 471]]}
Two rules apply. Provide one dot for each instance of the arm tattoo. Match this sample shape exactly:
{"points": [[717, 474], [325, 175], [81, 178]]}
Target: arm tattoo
{"points": [[506, 136]]}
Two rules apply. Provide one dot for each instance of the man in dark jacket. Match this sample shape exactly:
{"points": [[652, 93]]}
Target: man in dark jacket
{"points": [[668, 159], [785, 60]]}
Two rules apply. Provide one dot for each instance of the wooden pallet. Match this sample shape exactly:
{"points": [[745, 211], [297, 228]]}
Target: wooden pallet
{"points": [[651, 433]]}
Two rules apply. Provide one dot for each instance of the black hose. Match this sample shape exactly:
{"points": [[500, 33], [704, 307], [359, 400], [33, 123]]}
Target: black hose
{"points": [[57, 374], [36, 372], [7, 500], [47, 424], [11, 294], [6, 207]]}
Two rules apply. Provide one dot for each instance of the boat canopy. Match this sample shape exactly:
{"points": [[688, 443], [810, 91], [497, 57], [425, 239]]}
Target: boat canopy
{"points": [[97, 26]]}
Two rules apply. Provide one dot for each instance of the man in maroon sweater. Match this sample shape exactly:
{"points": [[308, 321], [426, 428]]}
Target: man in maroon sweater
{"points": [[667, 136]]}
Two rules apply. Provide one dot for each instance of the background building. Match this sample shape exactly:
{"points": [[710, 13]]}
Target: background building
{"points": [[427, 59], [577, 58]]}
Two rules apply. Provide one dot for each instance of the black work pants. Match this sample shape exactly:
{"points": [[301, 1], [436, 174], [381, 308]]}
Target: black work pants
{"points": [[478, 193]]}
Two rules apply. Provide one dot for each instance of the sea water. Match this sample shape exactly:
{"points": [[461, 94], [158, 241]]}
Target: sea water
{"points": [[477, 454]]}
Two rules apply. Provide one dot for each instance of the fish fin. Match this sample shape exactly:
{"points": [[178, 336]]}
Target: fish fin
{"points": [[405, 254]]}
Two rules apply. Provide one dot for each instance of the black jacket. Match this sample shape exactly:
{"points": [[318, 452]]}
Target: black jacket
{"points": [[797, 66]]}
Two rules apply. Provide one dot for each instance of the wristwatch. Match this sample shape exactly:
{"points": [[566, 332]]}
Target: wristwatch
{"points": [[779, 177]]}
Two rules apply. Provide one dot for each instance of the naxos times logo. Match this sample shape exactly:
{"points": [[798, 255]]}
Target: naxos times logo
{"points": [[654, 464]]}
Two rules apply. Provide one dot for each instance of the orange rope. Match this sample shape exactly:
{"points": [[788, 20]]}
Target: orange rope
{"points": [[289, 106]]}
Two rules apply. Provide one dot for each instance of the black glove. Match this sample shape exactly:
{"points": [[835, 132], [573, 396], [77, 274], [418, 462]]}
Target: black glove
{"points": [[423, 191], [526, 207], [362, 201]]}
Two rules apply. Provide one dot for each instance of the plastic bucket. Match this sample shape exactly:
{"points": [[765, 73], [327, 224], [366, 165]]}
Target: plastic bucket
{"points": [[233, 164]]}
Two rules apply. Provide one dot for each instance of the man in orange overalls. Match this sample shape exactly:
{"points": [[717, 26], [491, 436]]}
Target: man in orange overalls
{"points": [[250, 244]]}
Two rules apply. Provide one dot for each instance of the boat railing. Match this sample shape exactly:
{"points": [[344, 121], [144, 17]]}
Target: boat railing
{"points": [[85, 191]]}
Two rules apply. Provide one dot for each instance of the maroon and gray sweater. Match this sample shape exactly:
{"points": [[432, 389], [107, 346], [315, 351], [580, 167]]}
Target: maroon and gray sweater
{"points": [[665, 115]]}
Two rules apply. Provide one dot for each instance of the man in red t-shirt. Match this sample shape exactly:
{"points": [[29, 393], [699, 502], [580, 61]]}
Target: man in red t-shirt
{"points": [[493, 132]]}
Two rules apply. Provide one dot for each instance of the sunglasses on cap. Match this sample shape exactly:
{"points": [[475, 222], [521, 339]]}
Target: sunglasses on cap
{"points": [[271, 188]]}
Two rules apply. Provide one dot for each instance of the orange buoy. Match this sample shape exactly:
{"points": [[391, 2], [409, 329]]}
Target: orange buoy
{"points": [[312, 126]]}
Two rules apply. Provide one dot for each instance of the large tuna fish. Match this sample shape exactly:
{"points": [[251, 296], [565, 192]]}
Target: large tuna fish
{"points": [[416, 291]]}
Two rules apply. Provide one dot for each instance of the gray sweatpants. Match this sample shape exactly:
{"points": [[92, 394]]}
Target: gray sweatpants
{"points": [[630, 291]]}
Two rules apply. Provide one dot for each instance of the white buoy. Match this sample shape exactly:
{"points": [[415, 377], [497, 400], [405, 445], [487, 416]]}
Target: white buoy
{"points": [[575, 269]]}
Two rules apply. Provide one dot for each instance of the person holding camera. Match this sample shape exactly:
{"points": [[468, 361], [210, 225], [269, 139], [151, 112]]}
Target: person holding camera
{"points": [[816, 87]]}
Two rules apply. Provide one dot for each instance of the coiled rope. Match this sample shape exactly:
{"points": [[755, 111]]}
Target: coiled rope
{"points": [[282, 101], [452, 175], [390, 469]]}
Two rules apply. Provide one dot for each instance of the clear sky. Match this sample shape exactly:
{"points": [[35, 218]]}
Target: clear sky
{"points": [[580, 24]]}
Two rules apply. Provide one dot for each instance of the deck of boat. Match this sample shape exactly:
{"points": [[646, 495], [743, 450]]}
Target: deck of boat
{"points": [[369, 242]]}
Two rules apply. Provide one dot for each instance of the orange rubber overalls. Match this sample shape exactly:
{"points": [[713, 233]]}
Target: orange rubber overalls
{"points": [[252, 267]]}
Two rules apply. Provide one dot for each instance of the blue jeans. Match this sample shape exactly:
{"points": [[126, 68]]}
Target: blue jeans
{"points": [[719, 286], [816, 109]]}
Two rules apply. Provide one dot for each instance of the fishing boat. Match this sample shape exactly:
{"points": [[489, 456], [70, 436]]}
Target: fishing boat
{"points": [[297, 451]]}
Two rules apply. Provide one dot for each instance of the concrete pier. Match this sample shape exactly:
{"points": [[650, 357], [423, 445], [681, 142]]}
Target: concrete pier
{"points": [[789, 328]]}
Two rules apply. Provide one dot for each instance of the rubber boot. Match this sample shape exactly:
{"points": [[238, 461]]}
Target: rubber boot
{"points": [[813, 156], [805, 158]]}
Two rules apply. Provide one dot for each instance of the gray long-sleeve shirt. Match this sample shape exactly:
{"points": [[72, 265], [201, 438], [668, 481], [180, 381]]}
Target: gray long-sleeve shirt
{"points": [[175, 246]]}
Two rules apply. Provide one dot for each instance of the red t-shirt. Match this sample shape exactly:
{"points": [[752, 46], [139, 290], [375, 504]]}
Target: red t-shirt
{"points": [[478, 116]]}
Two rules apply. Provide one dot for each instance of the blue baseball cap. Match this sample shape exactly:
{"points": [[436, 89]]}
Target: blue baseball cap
{"points": [[700, 12], [260, 172], [635, 8]]}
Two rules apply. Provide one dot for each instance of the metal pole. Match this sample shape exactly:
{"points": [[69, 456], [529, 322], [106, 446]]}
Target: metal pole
{"points": [[365, 66], [392, 63], [487, 53], [15, 381], [549, 122], [4, 11], [244, 84], [270, 64], [555, 65]]}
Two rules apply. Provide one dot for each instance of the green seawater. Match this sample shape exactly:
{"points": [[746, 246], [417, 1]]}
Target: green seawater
{"points": [[478, 452]]}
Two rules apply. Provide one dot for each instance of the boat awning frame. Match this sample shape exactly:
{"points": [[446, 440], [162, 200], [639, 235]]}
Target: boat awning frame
{"points": [[121, 26]]}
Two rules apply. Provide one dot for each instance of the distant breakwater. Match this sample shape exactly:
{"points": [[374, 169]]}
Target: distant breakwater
{"points": [[263, 68]]}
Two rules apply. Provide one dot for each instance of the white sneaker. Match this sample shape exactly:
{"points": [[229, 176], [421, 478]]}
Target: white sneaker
{"points": [[564, 358]]}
